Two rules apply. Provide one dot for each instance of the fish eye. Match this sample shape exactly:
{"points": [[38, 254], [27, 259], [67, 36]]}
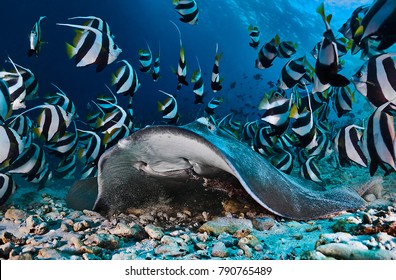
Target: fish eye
{"points": [[359, 74], [115, 46]]}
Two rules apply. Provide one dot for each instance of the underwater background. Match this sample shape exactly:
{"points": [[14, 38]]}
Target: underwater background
{"points": [[135, 22], [223, 26]]}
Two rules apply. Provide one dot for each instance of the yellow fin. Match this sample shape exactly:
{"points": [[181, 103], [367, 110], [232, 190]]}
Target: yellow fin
{"points": [[293, 111], [70, 50], [320, 10], [359, 31], [160, 106]]}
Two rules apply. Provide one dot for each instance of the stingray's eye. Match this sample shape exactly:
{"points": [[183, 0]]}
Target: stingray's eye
{"points": [[211, 127]]}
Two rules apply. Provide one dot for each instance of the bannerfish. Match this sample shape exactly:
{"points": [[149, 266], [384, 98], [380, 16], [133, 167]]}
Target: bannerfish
{"points": [[181, 71], [145, 59], [11, 145], [326, 67], [188, 9], [215, 78], [380, 137], [92, 47], [169, 109], [254, 34], [348, 145], [198, 88], [5, 102], [125, 79], [212, 105], [35, 41], [268, 53], [375, 79], [7, 187], [378, 24]]}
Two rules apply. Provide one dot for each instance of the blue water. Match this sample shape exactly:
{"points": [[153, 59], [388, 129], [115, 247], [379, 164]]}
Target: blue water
{"points": [[133, 22], [136, 22]]}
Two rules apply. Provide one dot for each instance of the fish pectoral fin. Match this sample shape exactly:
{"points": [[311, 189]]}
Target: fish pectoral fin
{"points": [[339, 80]]}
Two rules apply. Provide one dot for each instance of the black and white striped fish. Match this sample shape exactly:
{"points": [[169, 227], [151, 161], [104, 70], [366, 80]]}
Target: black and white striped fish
{"points": [[212, 105], [254, 33], [342, 100], [326, 67], [43, 178], [380, 137], [198, 88], [169, 109], [62, 100], [375, 79], [268, 53], [283, 161], [28, 163], [188, 10], [156, 67], [96, 22], [92, 47], [286, 49], [277, 111], [35, 38], [310, 170], [51, 123], [65, 145], [348, 145], [114, 120], [249, 130], [23, 126], [145, 59], [91, 148], [7, 187], [11, 145], [16, 87], [126, 80], [30, 81], [215, 78], [304, 125], [66, 168], [264, 137], [378, 24], [89, 171], [112, 138], [5, 102], [292, 73], [181, 71]]}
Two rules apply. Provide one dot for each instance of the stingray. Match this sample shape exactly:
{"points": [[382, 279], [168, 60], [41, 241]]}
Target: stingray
{"points": [[156, 158]]}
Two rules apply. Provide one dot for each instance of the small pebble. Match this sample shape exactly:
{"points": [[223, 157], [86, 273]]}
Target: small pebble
{"points": [[154, 232], [264, 223], [219, 250], [81, 226], [15, 214]]}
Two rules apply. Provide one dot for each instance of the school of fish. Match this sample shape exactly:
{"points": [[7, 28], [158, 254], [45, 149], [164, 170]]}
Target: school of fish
{"points": [[294, 123]]}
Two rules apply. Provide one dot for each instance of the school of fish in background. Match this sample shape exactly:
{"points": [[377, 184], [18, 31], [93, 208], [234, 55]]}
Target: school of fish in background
{"points": [[294, 123]]}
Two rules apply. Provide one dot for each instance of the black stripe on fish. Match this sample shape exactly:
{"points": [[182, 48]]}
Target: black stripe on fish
{"points": [[371, 82], [12, 144], [267, 54], [380, 140], [7, 187], [283, 162], [188, 10], [5, 102], [292, 73], [347, 146], [310, 171]]}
